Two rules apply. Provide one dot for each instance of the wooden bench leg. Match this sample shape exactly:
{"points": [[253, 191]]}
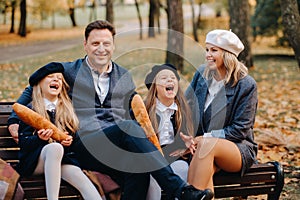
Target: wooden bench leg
{"points": [[279, 182]]}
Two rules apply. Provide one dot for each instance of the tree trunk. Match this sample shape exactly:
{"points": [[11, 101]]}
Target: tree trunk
{"points": [[71, 4], [53, 19], [175, 34], [240, 25], [290, 22], [139, 18], [13, 9], [93, 11], [4, 11], [194, 22], [157, 15], [23, 11], [110, 11], [152, 5]]}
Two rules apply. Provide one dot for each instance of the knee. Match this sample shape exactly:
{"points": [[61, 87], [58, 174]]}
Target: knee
{"points": [[54, 150]]}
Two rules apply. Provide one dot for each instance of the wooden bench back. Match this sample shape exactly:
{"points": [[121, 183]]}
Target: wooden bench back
{"points": [[8, 147]]}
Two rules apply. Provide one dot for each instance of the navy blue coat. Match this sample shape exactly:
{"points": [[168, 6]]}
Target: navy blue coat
{"points": [[232, 112], [30, 149]]}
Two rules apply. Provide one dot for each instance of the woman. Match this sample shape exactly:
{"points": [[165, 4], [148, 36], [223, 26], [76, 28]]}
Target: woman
{"points": [[170, 116], [225, 97], [39, 154]]}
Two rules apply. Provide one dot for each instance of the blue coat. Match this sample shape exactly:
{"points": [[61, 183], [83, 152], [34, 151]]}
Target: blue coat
{"points": [[231, 114]]}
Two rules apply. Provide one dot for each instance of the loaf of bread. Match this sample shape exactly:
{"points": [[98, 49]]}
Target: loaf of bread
{"points": [[142, 117], [37, 121]]}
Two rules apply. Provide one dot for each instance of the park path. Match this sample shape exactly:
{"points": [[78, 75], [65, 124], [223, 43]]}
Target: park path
{"points": [[21, 51]]}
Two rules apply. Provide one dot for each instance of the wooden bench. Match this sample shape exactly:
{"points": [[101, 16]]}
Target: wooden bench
{"points": [[34, 187], [267, 178]]}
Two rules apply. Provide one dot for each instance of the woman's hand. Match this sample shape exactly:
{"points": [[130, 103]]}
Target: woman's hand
{"points": [[45, 134], [68, 141], [189, 142]]}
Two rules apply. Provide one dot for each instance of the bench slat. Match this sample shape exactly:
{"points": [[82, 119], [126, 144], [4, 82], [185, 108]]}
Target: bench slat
{"points": [[3, 120], [11, 154], [263, 176], [4, 132], [244, 190], [8, 143]]}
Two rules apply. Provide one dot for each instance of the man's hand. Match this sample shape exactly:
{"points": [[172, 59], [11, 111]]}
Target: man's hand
{"points": [[13, 129]]}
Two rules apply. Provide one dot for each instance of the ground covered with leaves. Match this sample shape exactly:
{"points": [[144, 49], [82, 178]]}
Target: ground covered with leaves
{"points": [[277, 127]]}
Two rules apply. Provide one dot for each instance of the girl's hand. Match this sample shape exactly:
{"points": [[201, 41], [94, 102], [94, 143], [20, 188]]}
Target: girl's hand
{"points": [[189, 142], [45, 134], [68, 141]]}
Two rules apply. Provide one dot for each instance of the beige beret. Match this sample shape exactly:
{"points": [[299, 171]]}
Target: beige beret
{"points": [[226, 40]]}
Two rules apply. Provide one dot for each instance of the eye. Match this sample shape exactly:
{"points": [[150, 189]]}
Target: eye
{"points": [[95, 43], [106, 44]]}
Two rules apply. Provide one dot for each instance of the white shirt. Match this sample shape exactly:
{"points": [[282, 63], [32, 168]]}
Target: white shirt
{"points": [[165, 127], [50, 105], [213, 89], [101, 81]]}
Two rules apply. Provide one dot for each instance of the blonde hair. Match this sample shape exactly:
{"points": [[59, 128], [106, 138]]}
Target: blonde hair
{"points": [[235, 70], [183, 119], [65, 118]]}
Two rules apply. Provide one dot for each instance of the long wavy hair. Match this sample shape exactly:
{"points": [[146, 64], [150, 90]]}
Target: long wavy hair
{"points": [[183, 119], [235, 70], [65, 117]]}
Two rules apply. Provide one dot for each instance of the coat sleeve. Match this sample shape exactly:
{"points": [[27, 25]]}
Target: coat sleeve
{"points": [[29, 141], [24, 99], [242, 114]]}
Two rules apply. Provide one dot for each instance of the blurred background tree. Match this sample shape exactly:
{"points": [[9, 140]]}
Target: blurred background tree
{"points": [[267, 20]]}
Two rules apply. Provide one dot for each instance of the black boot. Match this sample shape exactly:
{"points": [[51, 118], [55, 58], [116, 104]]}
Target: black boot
{"points": [[190, 192]]}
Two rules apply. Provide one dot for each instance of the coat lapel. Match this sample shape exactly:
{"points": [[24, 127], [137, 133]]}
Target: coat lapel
{"points": [[215, 114]]}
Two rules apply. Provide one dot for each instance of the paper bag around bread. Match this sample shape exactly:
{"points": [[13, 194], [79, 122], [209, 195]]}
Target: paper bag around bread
{"points": [[37, 121], [142, 117]]}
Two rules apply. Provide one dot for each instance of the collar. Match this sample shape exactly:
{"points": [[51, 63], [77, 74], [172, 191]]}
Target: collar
{"points": [[49, 104], [95, 71], [161, 107]]}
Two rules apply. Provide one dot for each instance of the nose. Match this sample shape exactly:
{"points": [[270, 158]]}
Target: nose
{"points": [[101, 46]]}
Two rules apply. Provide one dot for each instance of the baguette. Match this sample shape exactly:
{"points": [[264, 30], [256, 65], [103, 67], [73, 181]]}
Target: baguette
{"points": [[37, 121], [142, 117]]}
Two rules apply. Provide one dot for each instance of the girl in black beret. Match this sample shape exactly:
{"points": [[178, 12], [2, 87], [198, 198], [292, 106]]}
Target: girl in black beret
{"points": [[171, 119], [39, 154]]}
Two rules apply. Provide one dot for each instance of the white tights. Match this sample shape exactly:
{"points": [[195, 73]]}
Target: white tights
{"points": [[179, 167], [50, 164]]}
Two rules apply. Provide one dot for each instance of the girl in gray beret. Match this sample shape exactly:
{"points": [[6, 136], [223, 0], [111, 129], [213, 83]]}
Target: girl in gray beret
{"points": [[39, 154], [223, 98]]}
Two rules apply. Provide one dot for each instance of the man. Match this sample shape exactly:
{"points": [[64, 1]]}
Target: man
{"points": [[108, 140]]}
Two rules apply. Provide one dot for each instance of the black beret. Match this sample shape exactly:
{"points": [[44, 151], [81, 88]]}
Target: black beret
{"points": [[156, 69], [50, 68]]}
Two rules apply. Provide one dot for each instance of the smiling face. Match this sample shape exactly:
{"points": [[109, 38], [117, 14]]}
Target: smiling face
{"points": [[99, 48], [214, 58], [166, 86], [51, 86]]}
